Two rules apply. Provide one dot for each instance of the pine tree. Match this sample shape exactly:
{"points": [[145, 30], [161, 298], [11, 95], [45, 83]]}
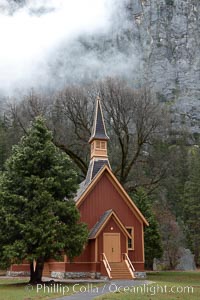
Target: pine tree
{"points": [[192, 204], [152, 239], [38, 218]]}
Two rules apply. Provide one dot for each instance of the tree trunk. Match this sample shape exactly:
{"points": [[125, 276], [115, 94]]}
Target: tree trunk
{"points": [[36, 275]]}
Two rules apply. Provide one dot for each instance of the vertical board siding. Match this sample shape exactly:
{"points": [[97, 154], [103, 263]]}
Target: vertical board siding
{"points": [[105, 196]]}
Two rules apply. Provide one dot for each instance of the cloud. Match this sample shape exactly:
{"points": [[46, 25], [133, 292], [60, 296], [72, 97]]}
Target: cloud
{"points": [[48, 43]]}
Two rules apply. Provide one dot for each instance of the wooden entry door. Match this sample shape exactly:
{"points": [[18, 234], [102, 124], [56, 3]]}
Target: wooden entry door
{"points": [[112, 246]]}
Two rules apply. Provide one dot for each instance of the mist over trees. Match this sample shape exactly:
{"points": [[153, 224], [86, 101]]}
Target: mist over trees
{"points": [[63, 42]]}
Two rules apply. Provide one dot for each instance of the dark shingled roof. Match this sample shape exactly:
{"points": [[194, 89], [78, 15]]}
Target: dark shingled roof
{"points": [[98, 164], [81, 189], [89, 172], [94, 167], [98, 225], [99, 131]]}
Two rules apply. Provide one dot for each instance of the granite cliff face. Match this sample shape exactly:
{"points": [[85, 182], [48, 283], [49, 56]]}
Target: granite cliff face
{"points": [[155, 41], [167, 32]]}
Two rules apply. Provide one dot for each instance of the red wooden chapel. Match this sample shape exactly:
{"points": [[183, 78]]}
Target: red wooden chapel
{"points": [[115, 245]]}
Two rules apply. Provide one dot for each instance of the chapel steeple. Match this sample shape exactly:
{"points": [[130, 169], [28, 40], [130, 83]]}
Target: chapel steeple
{"points": [[99, 137], [98, 144]]}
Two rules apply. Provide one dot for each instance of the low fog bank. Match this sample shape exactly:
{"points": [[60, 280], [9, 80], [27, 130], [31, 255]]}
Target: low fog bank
{"points": [[52, 43]]}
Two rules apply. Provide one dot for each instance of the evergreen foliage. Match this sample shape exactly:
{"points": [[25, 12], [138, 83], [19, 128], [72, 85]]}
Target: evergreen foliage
{"points": [[172, 186], [38, 219], [192, 204], [152, 238], [3, 143]]}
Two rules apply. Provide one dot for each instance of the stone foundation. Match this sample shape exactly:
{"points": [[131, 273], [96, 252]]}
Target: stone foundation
{"points": [[140, 274], [88, 275], [75, 275], [71, 275], [18, 274]]}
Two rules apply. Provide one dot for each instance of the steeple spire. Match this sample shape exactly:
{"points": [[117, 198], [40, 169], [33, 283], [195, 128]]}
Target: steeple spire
{"points": [[99, 129], [98, 142]]}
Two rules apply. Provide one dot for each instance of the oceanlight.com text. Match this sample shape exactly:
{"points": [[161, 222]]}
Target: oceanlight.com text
{"points": [[150, 289]]}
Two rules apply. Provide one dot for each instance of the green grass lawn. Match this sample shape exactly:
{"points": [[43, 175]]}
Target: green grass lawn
{"points": [[165, 286], [19, 289]]}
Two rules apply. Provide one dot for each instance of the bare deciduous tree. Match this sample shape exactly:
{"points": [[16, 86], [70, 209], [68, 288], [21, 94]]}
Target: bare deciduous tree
{"points": [[134, 121]]}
